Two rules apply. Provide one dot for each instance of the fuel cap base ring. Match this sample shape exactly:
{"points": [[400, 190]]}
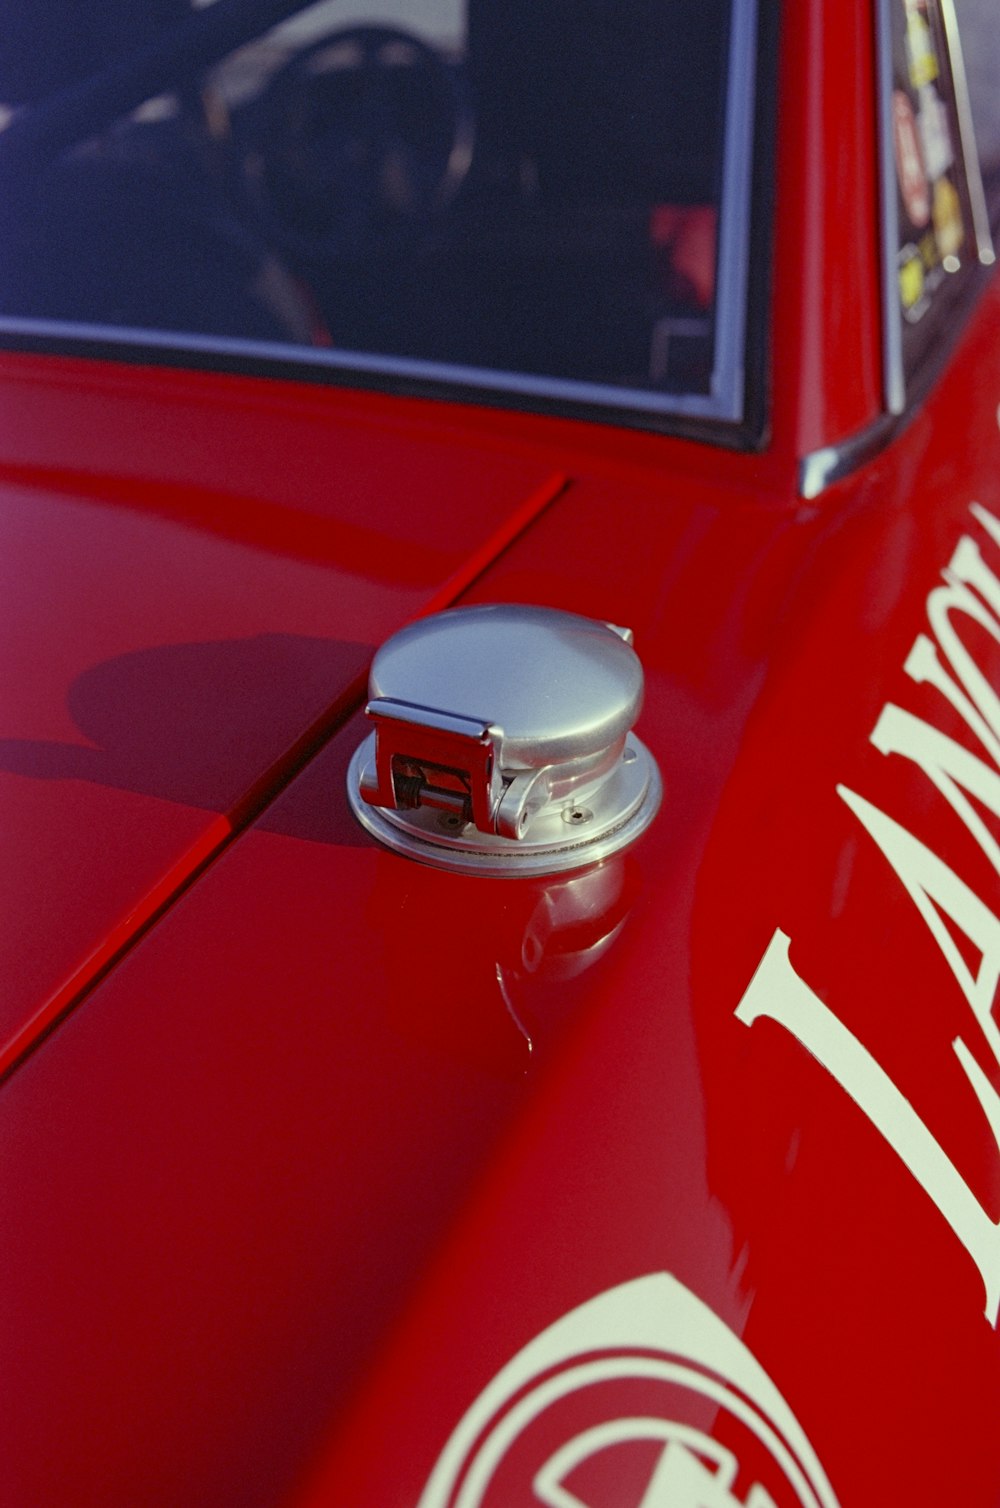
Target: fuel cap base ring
{"points": [[632, 797]]}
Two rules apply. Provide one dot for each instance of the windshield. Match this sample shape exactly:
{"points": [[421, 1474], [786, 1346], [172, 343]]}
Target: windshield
{"points": [[543, 197]]}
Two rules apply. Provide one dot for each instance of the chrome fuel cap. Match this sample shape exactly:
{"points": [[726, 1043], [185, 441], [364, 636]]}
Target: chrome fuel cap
{"points": [[502, 742]]}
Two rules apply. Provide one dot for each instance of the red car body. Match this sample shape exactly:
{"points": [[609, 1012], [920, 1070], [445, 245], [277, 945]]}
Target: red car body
{"points": [[305, 1144]]}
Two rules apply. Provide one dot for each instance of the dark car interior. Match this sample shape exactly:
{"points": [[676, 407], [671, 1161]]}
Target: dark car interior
{"points": [[536, 192]]}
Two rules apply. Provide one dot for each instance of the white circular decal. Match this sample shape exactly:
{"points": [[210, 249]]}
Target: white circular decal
{"points": [[641, 1398]]}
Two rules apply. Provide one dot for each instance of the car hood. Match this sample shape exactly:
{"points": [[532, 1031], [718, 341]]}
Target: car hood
{"points": [[195, 573], [319, 1072], [346, 1157]]}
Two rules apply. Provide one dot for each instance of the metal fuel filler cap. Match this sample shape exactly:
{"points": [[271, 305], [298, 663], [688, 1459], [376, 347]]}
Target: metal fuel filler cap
{"points": [[502, 742]]}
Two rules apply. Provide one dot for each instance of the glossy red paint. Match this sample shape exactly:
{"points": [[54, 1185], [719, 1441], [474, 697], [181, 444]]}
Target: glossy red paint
{"points": [[180, 648], [348, 1007], [344, 1162], [339, 1134]]}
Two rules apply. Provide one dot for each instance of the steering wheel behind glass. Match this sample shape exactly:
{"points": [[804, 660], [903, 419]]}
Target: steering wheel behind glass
{"points": [[363, 138]]}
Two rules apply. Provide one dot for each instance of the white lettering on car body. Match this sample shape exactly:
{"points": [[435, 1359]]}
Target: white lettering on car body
{"points": [[778, 992]]}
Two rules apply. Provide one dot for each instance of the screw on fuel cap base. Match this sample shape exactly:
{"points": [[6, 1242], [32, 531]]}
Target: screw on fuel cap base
{"points": [[502, 742]]}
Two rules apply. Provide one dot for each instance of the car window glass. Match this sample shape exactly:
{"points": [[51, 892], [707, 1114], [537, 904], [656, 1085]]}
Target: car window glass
{"points": [[527, 196], [979, 27], [937, 234]]}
